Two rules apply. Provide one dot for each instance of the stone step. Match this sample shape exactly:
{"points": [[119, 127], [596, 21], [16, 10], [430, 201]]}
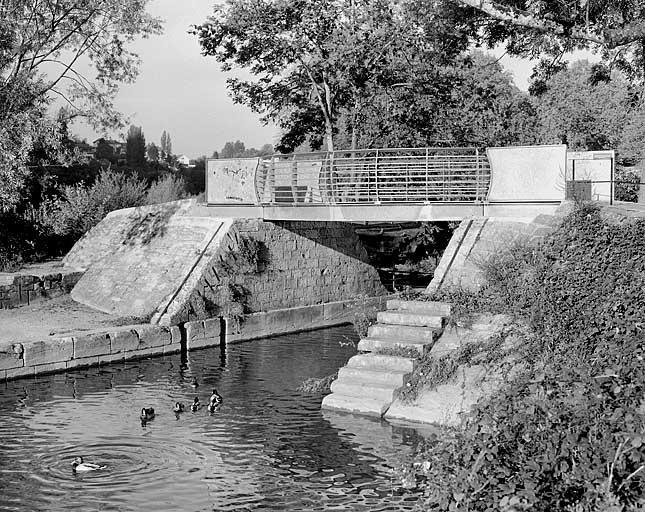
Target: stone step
{"points": [[378, 377], [360, 405], [410, 318], [420, 306], [377, 344], [381, 361], [361, 389], [403, 332]]}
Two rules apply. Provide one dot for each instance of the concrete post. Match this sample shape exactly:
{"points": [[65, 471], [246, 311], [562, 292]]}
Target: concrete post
{"points": [[641, 188]]}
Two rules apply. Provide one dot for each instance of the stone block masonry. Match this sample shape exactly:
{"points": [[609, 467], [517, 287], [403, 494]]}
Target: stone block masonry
{"points": [[29, 286], [300, 264], [165, 264], [88, 349]]}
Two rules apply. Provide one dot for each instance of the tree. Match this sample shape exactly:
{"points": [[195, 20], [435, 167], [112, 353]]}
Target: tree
{"points": [[314, 60], [104, 151], [152, 151], [42, 49], [584, 113], [233, 150], [135, 150], [166, 147], [470, 101], [554, 27]]}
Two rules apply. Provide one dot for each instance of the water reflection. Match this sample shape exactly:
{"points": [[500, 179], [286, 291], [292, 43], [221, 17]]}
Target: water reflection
{"points": [[268, 447]]}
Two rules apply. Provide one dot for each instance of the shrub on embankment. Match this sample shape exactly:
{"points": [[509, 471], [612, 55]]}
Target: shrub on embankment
{"points": [[569, 433], [50, 229]]}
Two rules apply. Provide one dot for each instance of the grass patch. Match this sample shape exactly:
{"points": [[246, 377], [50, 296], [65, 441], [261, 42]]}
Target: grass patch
{"points": [[318, 385]]}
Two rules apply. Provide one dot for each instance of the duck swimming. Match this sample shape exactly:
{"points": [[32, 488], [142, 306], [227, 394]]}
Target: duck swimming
{"points": [[147, 413], [179, 407], [216, 398], [79, 465], [195, 405]]}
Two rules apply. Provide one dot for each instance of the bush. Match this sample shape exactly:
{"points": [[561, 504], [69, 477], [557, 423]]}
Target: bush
{"points": [[567, 434], [165, 189], [627, 184], [80, 208]]}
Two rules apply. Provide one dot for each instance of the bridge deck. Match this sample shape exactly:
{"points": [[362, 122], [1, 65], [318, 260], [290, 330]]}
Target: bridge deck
{"points": [[402, 184], [379, 213]]}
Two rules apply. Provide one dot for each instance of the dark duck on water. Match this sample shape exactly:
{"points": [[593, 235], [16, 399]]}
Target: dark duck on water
{"points": [[147, 414], [215, 401]]}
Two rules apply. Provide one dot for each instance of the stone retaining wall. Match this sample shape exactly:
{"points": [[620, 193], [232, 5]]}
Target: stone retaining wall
{"points": [[22, 289], [91, 349], [53, 355], [167, 264], [301, 264]]}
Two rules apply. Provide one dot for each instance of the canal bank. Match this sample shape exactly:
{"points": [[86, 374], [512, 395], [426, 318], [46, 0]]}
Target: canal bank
{"points": [[62, 335]]}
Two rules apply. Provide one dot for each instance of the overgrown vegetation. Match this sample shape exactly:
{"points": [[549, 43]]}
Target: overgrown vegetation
{"points": [[363, 314], [318, 385], [567, 433], [432, 371], [60, 214], [231, 298]]}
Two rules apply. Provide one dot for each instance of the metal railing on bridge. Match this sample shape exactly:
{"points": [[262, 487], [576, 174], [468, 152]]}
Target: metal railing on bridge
{"points": [[374, 176]]}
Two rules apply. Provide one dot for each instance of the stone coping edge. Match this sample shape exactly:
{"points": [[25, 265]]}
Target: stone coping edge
{"points": [[118, 344]]}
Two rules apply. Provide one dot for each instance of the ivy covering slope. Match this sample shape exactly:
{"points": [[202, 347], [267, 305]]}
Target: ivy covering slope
{"points": [[568, 434]]}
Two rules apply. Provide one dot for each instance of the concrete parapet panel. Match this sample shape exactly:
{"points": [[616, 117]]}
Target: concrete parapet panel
{"points": [[91, 345], [527, 173], [52, 350]]}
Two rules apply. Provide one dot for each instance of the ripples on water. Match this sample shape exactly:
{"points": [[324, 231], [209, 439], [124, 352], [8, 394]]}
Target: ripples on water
{"points": [[268, 447]]}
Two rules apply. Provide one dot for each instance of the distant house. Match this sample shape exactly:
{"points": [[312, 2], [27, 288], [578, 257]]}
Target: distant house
{"points": [[183, 160], [117, 146], [84, 149]]}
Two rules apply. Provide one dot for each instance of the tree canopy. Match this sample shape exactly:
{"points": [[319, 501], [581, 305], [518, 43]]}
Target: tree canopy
{"points": [[530, 28], [44, 49], [316, 61]]}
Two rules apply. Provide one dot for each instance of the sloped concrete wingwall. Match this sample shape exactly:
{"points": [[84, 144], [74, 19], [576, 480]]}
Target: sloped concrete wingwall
{"points": [[162, 264], [476, 240]]}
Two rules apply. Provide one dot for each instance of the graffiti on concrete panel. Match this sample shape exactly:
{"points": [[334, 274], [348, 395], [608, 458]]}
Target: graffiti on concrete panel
{"points": [[231, 181]]}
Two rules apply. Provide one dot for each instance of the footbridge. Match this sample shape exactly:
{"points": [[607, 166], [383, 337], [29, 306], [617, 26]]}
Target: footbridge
{"points": [[402, 184]]}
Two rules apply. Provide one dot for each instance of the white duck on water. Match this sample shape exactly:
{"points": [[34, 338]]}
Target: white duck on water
{"points": [[78, 465]]}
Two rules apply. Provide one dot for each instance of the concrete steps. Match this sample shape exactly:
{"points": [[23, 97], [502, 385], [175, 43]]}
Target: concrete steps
{"points": [[373, 361], [371, 381], [389, 345], [409, 318]]}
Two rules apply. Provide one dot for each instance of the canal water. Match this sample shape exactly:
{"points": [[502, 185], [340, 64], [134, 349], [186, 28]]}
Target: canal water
{"points": [[269, 446]]}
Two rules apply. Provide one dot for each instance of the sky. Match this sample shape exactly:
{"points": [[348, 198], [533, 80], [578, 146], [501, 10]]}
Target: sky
{"points": [[184, 93]]}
